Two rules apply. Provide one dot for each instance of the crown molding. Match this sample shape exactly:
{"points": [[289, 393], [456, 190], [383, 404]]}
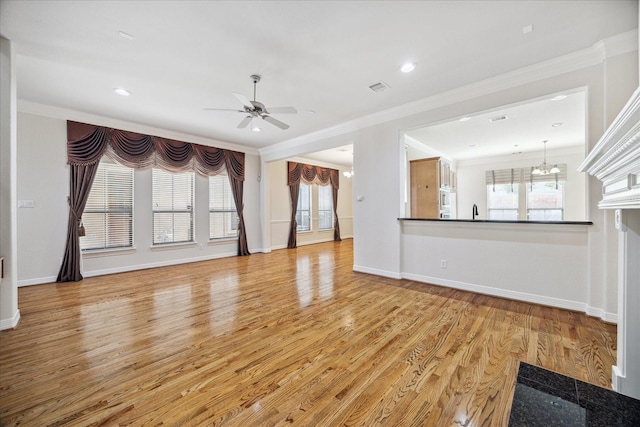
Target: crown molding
{"points": [[55, 112], [594, 55]]}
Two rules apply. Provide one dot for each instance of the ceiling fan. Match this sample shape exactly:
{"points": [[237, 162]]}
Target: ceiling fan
{"points": [[254, 109]]}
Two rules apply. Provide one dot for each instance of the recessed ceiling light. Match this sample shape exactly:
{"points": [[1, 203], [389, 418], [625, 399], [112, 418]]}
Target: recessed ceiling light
{"points": [[256, 129], [408, 67], [556, 125], [311, 112], [122, 92], [465, 119], [527, 29], [558, 97]]}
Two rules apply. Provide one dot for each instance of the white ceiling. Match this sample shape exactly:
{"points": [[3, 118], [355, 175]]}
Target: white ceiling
{"points": [[560, 122], [313, 55]]}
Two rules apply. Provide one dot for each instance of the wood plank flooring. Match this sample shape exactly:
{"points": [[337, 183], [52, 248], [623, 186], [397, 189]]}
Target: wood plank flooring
{"points": [[294, 337]]}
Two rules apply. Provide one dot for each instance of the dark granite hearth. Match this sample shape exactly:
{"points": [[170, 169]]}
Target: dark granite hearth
{"points": [[548, 399]]}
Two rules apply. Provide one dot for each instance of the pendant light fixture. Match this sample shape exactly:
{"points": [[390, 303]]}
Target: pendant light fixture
{"points": [[544, 168]]}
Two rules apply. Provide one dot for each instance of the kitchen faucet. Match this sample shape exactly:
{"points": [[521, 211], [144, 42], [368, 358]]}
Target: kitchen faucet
{"points": [[474, 213]]}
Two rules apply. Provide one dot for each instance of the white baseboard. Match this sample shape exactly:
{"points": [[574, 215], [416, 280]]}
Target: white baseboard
{"points": [[515, 295], [616, 378], [377, 272], [36, 281], [604, 315], [10, 323]]}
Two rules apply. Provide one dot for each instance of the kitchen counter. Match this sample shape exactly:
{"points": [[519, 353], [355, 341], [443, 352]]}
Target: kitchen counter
{"points": [[546, 398], [494, 221]]}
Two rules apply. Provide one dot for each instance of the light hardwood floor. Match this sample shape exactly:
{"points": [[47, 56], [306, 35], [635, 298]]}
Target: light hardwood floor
{"points": [[293, 337]]}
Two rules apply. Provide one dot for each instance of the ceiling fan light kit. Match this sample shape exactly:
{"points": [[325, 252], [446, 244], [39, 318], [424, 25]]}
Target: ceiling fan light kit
{"points": [[255, 109]]}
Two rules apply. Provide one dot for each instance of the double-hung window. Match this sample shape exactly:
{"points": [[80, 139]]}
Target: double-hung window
{"points": [[108, 214], [517, 194], [545, 200], [325, 207], [223, 216], [303, 213], [172, 199]]}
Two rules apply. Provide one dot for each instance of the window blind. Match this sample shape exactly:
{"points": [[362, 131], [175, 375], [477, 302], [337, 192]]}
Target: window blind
{"points": [[108, 215], [516, 175], [223, 217], [172, 200], [303, 213], [325, 207]]}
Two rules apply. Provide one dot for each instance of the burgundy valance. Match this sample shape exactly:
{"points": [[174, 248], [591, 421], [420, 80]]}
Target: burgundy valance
{"points": [[312, 175], [86, 144]]}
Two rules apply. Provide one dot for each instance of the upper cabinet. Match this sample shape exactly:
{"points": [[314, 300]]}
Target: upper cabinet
{"points": [[432, 184]]}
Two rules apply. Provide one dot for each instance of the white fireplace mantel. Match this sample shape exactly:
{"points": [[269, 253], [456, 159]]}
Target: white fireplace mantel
{"points": [[615, 160]]}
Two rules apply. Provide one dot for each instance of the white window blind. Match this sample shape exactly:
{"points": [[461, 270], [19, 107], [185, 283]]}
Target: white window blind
{"points": [[172, 199], [518, 194], [223, 217], [325, 207], [303, 214], [108, 215]]}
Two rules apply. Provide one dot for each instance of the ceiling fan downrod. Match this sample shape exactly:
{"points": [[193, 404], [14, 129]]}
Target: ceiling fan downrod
{"points": [[256, 79]]}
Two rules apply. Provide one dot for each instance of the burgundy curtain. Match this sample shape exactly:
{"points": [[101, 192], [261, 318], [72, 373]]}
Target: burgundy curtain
{"points": [[311, 174], [86, 144], [294, 190], [336, 226]]}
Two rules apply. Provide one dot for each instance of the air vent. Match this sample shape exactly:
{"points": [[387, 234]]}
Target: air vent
{"points": [[498, 119], [379, 87]]}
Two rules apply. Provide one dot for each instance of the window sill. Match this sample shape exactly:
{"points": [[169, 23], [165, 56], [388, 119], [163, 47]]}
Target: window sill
{"points": [[169, 246], [223, 240], [96, 253]]}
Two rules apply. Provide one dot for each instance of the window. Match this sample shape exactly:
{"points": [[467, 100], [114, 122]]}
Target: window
{"points": [[502, 201], [517, 194], [172, 198], [545, 201], [303, 214], [223, 217], [108, 215], [325, 207]]}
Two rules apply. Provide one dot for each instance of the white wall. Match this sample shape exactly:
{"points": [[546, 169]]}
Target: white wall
{"points": [[473, 190], [532, 262], [9, 312], [280, 206], [43, 177], [381, 247]]}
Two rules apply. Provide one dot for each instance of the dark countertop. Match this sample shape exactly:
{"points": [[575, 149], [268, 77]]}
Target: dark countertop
{"points": [[494, 221], [548, 399]]}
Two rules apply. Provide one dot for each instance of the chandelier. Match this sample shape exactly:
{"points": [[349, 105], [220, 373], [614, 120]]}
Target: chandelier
{"points": [[544, 168]]}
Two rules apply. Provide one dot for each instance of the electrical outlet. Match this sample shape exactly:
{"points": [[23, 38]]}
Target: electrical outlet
{"points": [[201, 246], [443, 263]]}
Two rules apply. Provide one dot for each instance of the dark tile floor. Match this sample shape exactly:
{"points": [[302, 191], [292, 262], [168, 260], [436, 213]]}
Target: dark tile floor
{"points": [[545, 398]]}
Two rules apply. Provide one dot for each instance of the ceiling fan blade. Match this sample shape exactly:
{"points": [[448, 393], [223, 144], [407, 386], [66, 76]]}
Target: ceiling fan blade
{"points": [[245, 122], [223, 109], [243, 99], [282, 110], [275, 122]]}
